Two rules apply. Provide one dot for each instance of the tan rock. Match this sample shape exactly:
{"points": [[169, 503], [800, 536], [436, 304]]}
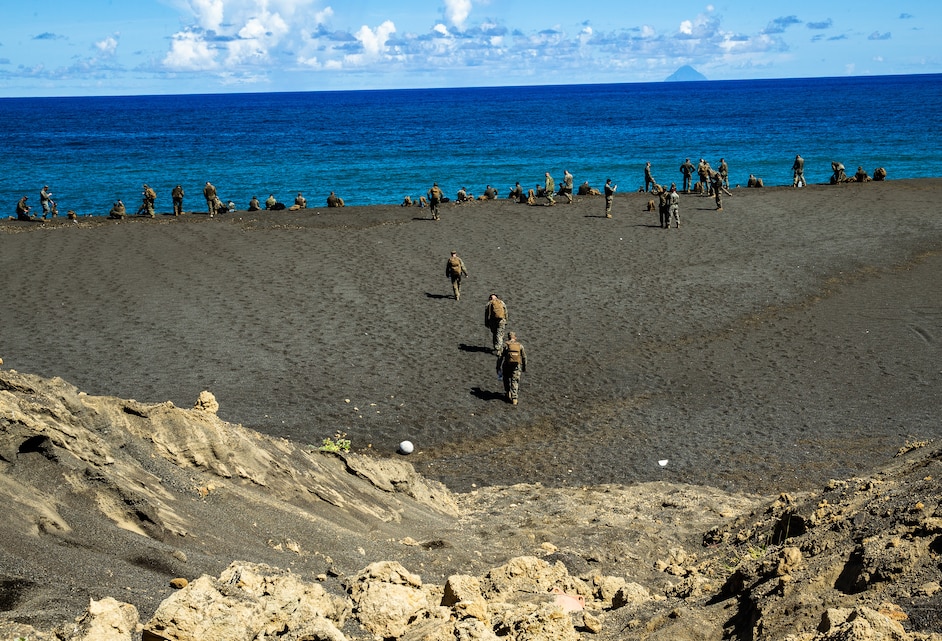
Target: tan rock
{"points": [[107, 620], [179, 583], [206, 402]]}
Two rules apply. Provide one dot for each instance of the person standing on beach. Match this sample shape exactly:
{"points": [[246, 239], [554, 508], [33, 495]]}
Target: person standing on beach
{"points": [[567, 186], [704, 171], [549, 188], [454, 269], [609, 196], [687, 170], [209, 193], [495, 319], [434, 200], [45, 198], [673, 207], [717, 185], [510, 364], [724, 173], [648, 178], [663, 206], [798, 172], [177, 196]]}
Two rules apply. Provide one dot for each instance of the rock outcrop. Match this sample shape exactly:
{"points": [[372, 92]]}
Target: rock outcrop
{"points": [[122, 519]]}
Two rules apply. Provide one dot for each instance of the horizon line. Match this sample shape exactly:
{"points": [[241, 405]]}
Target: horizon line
{"points": [[523, 86]]}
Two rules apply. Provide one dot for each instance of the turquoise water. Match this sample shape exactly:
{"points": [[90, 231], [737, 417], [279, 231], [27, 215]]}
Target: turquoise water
{"points": [[374, 147]]}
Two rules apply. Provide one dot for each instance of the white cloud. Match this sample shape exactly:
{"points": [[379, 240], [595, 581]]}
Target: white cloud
{"points": [[108, 46], [189, 52], [457, 11], [374, 41]]}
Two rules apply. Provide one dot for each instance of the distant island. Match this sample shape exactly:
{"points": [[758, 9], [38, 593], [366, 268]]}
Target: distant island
{"points": [[685, 74]]}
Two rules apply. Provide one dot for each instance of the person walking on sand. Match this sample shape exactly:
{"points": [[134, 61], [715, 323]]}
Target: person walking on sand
{"points": [[177, 196], [495, 319], [510, 364], [209, 193], [687, 169], [648, 178], [454, 269], [549, 188], [673, 207], [434, 200], [798, 172], [609, 196]]}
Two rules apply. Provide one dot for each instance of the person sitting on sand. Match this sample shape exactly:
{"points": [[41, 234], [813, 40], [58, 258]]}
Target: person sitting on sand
{"points": [[516, 193], [406, 202], [587, 190], [464, 196], [118, 211], [838, 176], [879, 174], [333, 200], [300, 202], [270, 202], [861, 175], [22, 209], [254, 205]]}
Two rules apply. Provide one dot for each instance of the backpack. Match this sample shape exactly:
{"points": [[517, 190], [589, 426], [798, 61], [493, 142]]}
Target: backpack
{"points": [[454, 266], [514, 353], [498, 309]]}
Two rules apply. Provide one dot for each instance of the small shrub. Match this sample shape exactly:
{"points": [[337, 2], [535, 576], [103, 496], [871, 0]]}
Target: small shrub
{"points": [[339, 443]]}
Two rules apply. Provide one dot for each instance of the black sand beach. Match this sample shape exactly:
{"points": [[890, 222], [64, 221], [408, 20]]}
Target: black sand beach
{"points": [[791, 338]]}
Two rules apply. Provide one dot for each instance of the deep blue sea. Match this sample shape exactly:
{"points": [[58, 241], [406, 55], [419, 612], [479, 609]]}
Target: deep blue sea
{"points": [[374, 147]]}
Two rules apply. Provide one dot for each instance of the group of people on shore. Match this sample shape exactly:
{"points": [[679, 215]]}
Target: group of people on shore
{"points": [[710, 182], [511, 355], [214, 205]]}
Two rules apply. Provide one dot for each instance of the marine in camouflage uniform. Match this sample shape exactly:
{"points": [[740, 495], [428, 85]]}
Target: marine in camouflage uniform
{"points": [[798, 172], [209, 192], [177, 196], [495, 319], [648, 178], [549, 188], [566, 188], [724, 172], [511, 363], [717, 185], [687, 170], [150, 197], [454, 269], [434, 200], [609, 196], [673, 206]]}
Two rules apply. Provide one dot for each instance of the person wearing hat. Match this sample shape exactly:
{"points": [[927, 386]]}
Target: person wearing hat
{"points": [[510, 364], [22, 209], [454, 269], [495, 319], [45, 199]]}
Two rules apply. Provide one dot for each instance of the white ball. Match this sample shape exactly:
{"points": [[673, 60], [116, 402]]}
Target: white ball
{"points": [[406, 447]]}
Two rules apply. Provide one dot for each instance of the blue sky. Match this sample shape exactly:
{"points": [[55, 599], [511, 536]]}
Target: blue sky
{"points": [[120, 47]]}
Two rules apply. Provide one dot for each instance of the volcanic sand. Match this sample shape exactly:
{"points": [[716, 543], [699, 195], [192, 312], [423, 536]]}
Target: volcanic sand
{"points": [[790, 338]]}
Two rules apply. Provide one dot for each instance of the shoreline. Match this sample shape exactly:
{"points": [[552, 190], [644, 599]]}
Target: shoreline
{"points": [[785, 340]]}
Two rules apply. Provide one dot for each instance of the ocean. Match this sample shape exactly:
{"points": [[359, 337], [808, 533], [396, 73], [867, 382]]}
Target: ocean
{"points": [[375, 147]]}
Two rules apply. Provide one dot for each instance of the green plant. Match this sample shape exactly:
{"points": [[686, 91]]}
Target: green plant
{"points": [[339, 443]]}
